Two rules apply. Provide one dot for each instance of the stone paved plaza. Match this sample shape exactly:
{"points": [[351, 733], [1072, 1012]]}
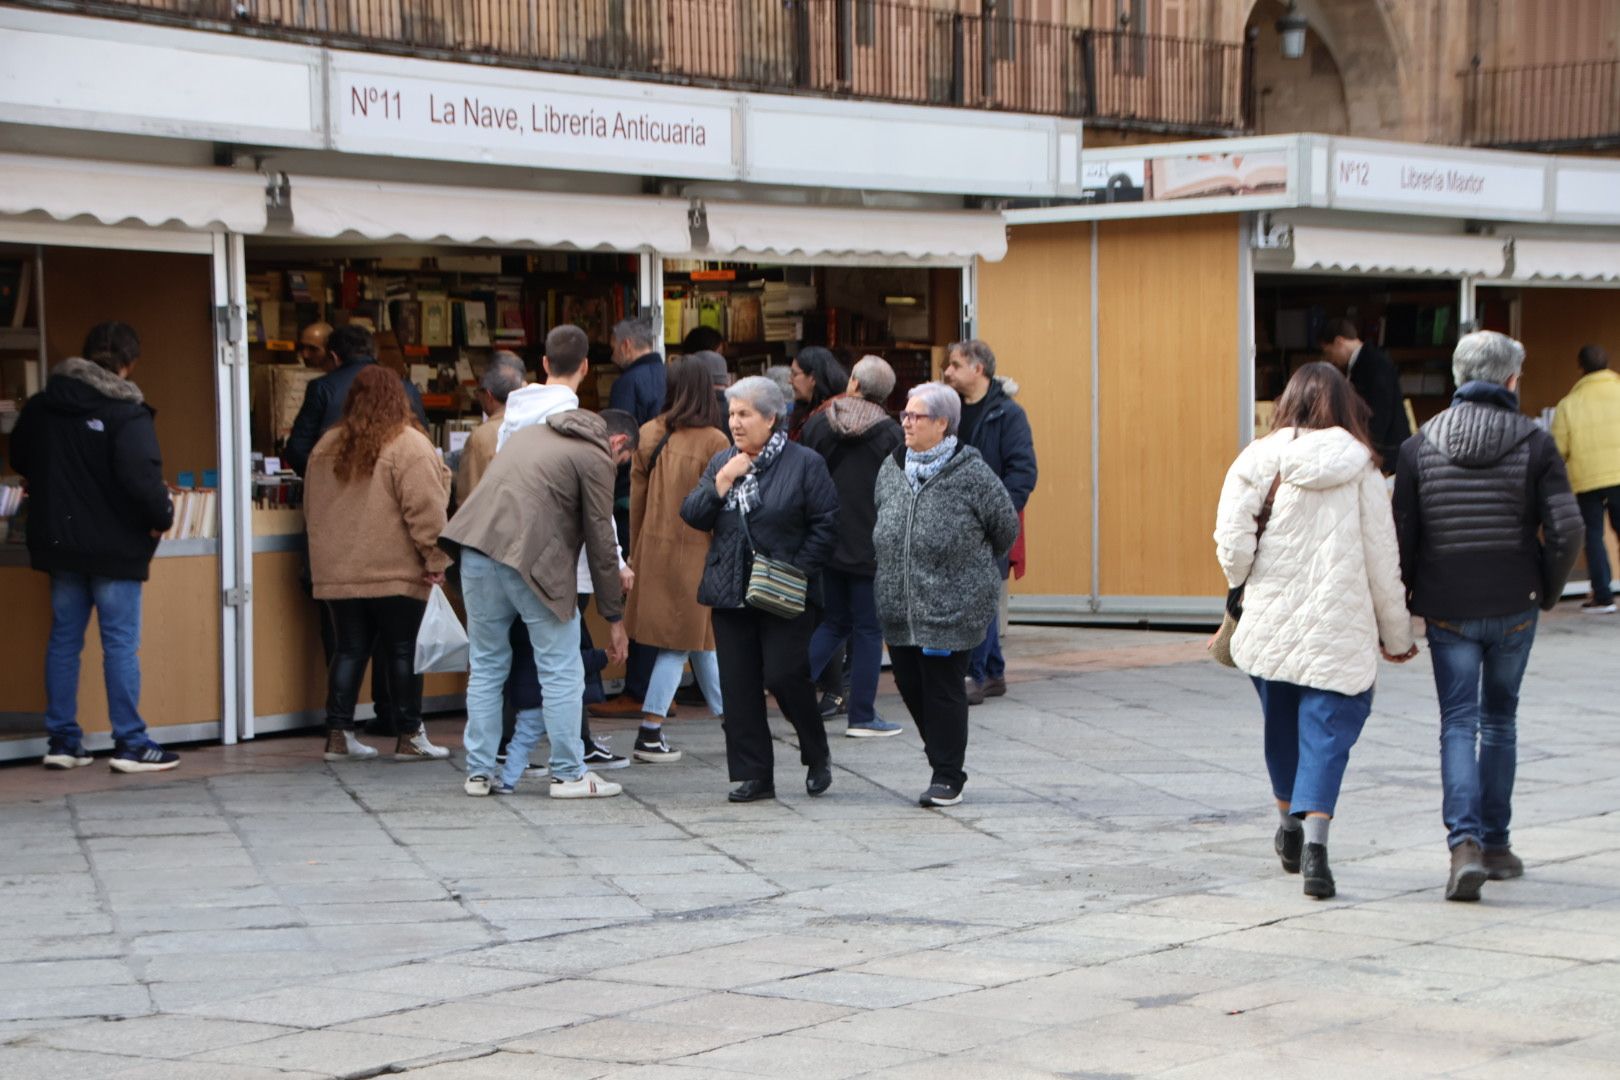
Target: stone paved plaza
{"points": [[1104, 905]]}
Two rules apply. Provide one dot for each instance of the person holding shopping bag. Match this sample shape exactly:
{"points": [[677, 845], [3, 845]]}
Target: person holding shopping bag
{"points": [[375, 496], [1322, 597]]}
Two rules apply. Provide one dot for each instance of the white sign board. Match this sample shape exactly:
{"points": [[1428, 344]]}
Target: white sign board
{"points": [[1449, 186], [557, 122], [1587, 193]]}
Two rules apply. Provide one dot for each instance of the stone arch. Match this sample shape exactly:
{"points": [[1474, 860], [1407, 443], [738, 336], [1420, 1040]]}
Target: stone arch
{"points": [[1370, 52]]}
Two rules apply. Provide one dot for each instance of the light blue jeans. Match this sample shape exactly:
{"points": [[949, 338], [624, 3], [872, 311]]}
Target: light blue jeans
{"points": [[666, 678], [495, 595], [117, 604]]}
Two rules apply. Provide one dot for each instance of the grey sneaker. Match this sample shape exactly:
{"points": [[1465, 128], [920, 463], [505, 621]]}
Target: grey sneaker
{"points": [[874, 729]]}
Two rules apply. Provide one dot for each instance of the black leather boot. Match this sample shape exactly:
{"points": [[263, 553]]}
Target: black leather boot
{"points": [[1318, 878], [1288, 843], [752, 791]]}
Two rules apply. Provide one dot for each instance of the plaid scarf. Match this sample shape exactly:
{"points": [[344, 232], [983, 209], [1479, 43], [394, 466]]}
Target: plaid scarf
{"points": [[744, 494]]}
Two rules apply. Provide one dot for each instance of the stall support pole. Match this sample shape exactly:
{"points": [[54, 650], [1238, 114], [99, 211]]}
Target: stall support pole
{"points": [[1096, 428], [1467, 305], [970, 303], [1246, 348], [650, 283], [235, 487]]}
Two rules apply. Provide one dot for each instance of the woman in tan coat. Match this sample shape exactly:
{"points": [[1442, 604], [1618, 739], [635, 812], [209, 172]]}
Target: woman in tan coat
{"points": [[663, 611], [375, 495]]}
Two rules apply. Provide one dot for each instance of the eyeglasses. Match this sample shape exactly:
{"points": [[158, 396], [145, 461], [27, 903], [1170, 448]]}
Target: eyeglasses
{"points": [[915, 417]]}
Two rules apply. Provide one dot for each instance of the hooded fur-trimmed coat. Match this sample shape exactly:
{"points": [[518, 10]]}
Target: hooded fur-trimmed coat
{"points": [[1324, 588]]}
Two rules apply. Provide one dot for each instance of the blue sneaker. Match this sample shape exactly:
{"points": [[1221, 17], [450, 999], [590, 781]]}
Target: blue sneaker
{"points": [[873, 729], [143, 757], [501, 787], [66, 755]]}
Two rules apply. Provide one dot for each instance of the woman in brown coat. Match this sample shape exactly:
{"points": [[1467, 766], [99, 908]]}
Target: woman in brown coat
{"points": [[663, 611], [375, 494]]}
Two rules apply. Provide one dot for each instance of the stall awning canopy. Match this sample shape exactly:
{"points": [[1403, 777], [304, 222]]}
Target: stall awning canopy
{"points": [[1368, 251], [1565, 260], [116, 194], [834, 234], [377, 210]]}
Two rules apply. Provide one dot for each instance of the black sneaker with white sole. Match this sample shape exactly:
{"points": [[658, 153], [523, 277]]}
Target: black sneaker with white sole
{"points": [[940, 795], [652, 749], [143, 757], [598, 755]]}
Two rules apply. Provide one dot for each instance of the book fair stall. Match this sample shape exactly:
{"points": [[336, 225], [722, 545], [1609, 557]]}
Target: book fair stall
{"points": [[1155, 321]]}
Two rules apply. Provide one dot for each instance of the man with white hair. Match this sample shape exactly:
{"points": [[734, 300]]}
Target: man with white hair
{"points": [[505, 373], [1488, 531]]}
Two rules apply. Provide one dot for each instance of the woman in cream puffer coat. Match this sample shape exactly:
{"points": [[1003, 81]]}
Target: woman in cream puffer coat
{"points": [[1322, 597]]}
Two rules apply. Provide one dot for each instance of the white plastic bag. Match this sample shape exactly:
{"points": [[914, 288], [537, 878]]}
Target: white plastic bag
{"points": [[441, 643]]}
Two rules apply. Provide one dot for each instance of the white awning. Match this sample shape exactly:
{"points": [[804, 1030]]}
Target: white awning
{"points": [[1366, 251], [1565, 260], [426, 213], [838, 234], [114, 193]]}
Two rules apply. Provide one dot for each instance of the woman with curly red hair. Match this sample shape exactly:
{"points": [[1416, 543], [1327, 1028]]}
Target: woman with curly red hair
{"points": [[375, 495]]}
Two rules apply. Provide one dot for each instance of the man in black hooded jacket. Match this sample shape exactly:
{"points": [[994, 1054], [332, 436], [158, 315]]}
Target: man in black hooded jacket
{"points": [[1488, 531], [97, 503]]}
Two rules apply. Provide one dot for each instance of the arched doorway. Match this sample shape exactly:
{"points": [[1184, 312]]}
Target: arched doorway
{"points": [[1350, 80]]}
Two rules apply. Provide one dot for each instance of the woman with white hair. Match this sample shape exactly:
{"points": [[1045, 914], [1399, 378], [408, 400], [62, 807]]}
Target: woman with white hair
{"points": [[944, 522], [764, 498]]}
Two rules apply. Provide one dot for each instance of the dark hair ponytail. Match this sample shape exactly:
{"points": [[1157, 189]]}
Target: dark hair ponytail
{"points": [[112, 345]]}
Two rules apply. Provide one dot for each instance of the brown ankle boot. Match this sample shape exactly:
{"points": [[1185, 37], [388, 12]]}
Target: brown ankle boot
{"points": [[1467, 872], [1502, 864]]}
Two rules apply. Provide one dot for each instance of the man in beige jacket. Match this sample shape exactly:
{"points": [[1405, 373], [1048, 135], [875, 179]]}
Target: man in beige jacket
{"points": [[505, 373], [547, 493]]}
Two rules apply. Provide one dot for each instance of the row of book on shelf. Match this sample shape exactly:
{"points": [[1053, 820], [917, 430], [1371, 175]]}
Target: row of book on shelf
{"points": [[750, 312], [196, 514]]}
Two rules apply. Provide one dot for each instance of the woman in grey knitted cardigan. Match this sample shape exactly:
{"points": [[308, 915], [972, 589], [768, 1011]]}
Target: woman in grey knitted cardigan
{"points": [[944, 521]]}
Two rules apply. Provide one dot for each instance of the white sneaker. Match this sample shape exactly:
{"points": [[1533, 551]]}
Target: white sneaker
{"points": [[476, 785], [536, 772], [343, 746], [589, 786], [417, 748]]}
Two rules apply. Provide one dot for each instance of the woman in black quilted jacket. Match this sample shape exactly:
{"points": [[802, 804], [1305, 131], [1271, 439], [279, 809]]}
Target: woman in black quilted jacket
{"points": [[774, 497]]}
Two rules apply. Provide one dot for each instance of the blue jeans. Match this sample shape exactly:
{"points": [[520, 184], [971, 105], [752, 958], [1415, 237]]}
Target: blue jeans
{"points": [[666, 678], [118, 610], [850, 615], [1593, 504], [495, 595], [1478, 666], [1309, 734], [986, 662]]}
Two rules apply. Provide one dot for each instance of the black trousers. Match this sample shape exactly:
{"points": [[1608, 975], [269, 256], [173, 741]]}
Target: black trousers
{"points": [[379, 681], [388, 623], [760, 652], [936, 696]]}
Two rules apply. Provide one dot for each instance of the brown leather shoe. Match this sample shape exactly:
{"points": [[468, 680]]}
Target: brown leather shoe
{"points": [[1502, 864], [975, 692], [995, 687], [1467, 872]]}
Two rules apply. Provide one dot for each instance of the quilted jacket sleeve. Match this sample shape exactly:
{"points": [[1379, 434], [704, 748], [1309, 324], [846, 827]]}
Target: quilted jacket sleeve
{"points": [[702, 506], [1561, 526], [1383, 558], [1242, 498]]}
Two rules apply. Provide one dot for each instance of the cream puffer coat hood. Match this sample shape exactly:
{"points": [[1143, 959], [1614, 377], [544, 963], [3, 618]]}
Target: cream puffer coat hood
{"points": [[1325, 587]]}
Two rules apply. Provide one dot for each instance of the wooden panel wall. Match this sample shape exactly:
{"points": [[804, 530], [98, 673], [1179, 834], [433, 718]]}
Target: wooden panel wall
{"points": [[180, 664], [168, 300], [1034, 309], [1168, 328], [1554, 324], [289, 671]]}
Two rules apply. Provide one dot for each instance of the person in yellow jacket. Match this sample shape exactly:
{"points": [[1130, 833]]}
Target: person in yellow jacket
{"points": [[1587, 430]]}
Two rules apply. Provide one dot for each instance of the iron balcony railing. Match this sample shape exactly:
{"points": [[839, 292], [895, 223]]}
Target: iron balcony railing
{"points": [[884, 50], [1556, 106]]}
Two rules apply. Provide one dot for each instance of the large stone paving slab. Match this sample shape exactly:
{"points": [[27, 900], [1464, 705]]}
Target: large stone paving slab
{"points": [[1103, 905]]}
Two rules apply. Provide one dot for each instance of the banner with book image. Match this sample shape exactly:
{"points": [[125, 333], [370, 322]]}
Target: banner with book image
{"points": [[1110, 179]]}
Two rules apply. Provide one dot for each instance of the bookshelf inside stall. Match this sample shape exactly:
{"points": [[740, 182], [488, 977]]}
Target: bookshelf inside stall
{"points": [[1414, 320], [437, 320], [766, 313]]}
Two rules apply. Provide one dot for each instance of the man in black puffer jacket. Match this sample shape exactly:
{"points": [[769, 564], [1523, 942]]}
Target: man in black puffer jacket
{"points": [[97, 504], [1489, 531]]}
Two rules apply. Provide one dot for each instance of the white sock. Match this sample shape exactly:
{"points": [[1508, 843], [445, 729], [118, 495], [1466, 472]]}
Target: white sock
{"points": [[1316, 830]]}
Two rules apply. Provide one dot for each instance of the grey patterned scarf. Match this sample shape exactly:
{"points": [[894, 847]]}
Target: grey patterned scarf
{"points": [[922, 466], [744, 494]]}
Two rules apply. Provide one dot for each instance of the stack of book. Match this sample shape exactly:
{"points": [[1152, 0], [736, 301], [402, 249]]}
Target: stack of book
{"points": [[196, 514], [11, 499]]}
